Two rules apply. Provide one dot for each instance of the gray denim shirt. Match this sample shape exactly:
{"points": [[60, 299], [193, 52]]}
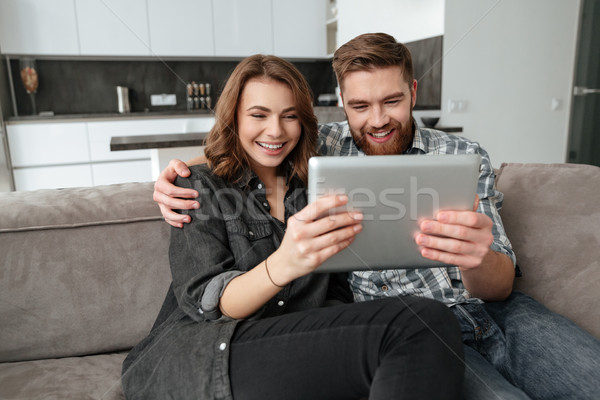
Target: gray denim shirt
{"points": [[229, 234]]}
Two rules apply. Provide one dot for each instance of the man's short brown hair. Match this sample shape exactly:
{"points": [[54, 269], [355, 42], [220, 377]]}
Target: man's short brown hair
{"points": [[372, 50]]}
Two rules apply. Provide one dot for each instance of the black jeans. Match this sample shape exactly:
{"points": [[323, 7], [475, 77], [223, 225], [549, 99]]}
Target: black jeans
{"points": [[397, 348]]}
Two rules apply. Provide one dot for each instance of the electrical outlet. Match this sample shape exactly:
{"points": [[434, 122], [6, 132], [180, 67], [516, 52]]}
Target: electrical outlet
{"points": [[163, 99], [457, 106]]}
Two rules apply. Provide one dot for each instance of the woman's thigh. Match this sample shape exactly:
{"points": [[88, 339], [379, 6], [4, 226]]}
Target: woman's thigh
{"points": [[390, 348]]}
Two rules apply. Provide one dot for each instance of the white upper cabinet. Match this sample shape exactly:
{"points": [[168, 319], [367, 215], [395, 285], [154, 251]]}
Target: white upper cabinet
{"points": [[181, 27], [113, 27], [242, 27], [175, 28], [299, 28], [38, 27]]}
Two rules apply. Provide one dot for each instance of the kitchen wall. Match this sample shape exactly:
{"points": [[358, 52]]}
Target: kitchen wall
{"points": [[512, 62], [406, 20], [88, 86]]}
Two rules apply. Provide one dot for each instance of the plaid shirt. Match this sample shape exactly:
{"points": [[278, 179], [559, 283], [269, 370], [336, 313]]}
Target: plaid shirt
{"points": [[443, 284]]}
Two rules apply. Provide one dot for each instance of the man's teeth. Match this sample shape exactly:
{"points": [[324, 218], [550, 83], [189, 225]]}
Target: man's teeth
{"points": [[379, 135], [271, 146]]}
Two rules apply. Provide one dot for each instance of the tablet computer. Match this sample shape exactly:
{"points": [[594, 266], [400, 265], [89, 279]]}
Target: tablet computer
{"points": [[394, 192]]}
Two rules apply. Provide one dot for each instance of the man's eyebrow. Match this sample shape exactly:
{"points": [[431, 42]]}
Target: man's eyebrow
{"points": [[393, 96], [386, 98]]}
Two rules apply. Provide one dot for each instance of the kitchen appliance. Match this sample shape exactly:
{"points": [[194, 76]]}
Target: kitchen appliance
{"points": [[123, 99]]}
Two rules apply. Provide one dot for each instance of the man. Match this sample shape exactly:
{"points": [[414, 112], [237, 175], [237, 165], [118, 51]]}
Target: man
{"points": [[510, 351]]}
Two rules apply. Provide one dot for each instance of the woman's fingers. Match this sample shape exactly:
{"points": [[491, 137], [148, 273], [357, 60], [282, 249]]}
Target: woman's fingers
{"points": [[321, 207]]}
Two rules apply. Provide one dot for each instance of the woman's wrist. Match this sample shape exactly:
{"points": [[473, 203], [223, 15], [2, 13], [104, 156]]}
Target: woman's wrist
{"points": [[275, 267], [269, 274]]}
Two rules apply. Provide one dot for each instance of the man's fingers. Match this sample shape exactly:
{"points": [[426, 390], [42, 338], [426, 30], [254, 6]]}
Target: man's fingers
{"points": [[177, 167], [174, 218], [174, 203], [162, 189], [476, 203], [467, 218], [451, 258]]}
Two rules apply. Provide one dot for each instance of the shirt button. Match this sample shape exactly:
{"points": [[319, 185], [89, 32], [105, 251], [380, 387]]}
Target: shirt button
{"points": [[200, 311], [266, 204], [260, 185], [250, 233], [384, 288], [280, 303], [222, 346]]}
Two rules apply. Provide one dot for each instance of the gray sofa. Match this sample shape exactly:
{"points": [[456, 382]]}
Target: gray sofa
{"points": [[83, 272]]}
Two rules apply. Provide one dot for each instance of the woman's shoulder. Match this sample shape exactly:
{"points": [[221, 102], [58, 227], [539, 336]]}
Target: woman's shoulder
{"points": [[201, 175]]}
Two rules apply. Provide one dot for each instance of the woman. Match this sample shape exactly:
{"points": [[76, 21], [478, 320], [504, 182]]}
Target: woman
{"points": [[246, 318]]}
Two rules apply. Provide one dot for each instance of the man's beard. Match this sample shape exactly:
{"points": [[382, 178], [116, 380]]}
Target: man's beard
{"points": [[401, 141]]}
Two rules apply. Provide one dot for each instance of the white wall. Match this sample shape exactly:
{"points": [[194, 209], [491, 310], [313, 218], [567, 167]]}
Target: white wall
{"points": [[406, 20], [509, 59]]}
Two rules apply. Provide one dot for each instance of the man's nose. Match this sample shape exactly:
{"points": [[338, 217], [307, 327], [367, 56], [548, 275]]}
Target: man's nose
{"points": [[378, 118]]}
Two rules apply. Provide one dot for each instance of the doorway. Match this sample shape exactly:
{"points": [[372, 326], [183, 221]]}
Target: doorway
{"points": [[584, 131]]}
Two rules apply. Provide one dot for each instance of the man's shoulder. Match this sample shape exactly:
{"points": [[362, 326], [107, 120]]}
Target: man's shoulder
{"points": [[333, 128], [434, 140]]}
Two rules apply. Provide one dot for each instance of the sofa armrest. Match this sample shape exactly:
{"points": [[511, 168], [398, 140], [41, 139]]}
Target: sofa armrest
{"points": [[551, 214]]}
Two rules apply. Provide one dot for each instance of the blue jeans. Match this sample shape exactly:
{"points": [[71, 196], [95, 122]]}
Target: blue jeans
{"points": [[518, 349]]}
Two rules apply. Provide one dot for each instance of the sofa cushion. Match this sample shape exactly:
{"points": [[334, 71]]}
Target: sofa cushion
{"points": [[83, 271], [76, 378], [551, 214]]}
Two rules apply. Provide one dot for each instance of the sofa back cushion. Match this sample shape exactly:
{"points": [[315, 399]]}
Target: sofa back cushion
{"points": [[82, 270], [552, 216]]}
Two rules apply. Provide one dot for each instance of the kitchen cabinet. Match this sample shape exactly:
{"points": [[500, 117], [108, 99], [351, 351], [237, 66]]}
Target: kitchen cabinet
{"points": [[77, 153], [122, 172], [242, 27], [38, 27], [42, 144], [299, 28], [181, 28], [113, 27], [52, 177]]}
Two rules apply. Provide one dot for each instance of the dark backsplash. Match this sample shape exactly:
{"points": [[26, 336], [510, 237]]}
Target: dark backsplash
{"points": [[88, 86]]}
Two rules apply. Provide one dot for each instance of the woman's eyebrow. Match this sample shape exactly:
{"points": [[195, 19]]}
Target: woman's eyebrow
{"points": [[261, 108], [265, 109]]}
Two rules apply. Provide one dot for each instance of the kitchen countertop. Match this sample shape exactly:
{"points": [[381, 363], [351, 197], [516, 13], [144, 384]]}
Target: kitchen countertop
{"points": [[157, 141], [324, 114], [108, 116]]}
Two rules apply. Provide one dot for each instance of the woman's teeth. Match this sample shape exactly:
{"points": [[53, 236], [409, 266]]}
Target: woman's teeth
{"points": [[380, 135], [271, 146]]}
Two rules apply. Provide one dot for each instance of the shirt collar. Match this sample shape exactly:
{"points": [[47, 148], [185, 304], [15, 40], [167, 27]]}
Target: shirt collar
{"points": [[251, 181], [418, 144]]}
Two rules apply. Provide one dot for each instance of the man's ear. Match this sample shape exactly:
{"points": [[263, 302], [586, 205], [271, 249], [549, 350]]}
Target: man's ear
{"points": [[413, 93]]}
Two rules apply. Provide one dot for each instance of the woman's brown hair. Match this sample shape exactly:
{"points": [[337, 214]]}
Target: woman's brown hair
{"points": [[372, 50], [224, 151]]}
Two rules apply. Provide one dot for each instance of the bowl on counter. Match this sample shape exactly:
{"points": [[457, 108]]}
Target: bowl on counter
{"points": [[430, 122]]}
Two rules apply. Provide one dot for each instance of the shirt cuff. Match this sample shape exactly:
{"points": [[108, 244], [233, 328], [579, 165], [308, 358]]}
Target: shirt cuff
{"points": [[209, 304]]}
